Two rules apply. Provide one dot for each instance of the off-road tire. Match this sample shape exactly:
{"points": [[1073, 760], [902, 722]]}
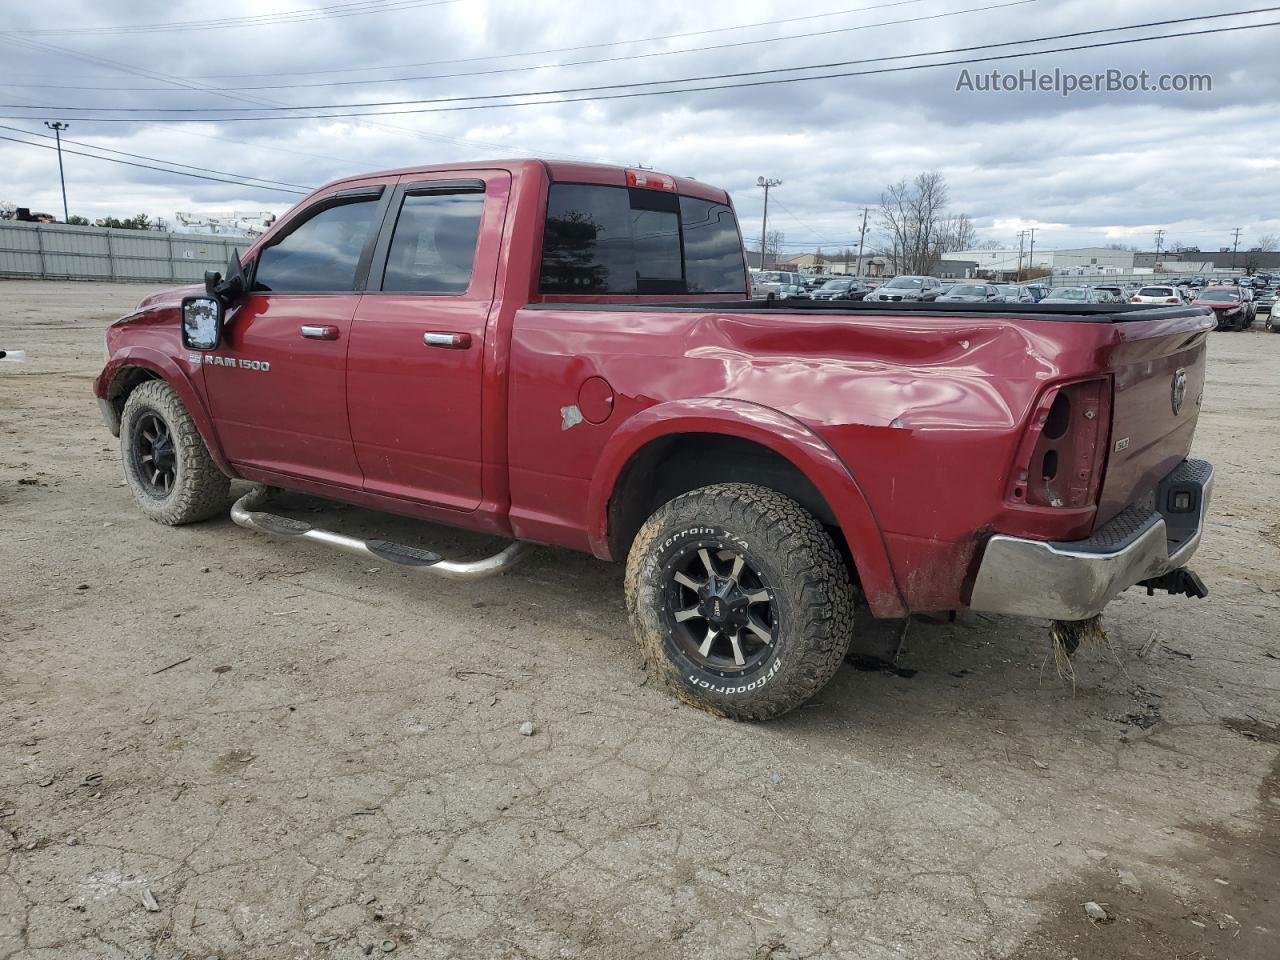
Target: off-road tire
{"points": [[797, 559], [199, 489]]}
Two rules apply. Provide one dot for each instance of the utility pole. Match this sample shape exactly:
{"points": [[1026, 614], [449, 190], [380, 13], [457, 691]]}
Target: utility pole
{"points": [[1235, 245], [1159, 242], [57, 126], [1031, 254], [1021, 239], [862, 238], [765, 182]]}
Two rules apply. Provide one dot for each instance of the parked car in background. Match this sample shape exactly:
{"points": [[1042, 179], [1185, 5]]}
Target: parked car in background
{"points": [[1013, 293], [1076, 295], [1232, 307], [781, 285], [971, 293], [906, 288], [1111, 295], [1038, 290], [840, 289], [1153, 294], [1264, 301]]}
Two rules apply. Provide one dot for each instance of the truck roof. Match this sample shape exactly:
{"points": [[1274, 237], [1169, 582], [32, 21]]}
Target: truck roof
{"points": [[558, 171]]}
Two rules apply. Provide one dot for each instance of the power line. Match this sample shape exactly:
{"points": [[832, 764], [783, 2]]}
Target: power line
{"points": [[147, 166], [305, 15], [178, 81], [573, 49], [138, 156], [547, 66], [282, 112]]}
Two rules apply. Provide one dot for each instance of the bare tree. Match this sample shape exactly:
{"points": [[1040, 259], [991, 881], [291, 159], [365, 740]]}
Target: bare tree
{"points": [[1268, 242], [773, 245], [960, 233], [989, 245], [913, 215]]}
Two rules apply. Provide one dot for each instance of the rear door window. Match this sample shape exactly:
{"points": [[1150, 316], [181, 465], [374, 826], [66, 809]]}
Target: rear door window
{"points": [[434, 243], [619, 240]]}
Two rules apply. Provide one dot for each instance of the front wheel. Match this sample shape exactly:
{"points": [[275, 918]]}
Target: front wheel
{"points": [[740, 600], [166, 463]]}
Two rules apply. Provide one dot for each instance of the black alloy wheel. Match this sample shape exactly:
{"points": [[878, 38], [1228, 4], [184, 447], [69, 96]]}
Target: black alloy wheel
{"points": [[720, 610], [155, 455]]}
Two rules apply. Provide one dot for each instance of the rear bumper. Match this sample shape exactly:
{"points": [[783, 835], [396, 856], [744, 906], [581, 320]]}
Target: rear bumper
{"points": [[1075, 580]]}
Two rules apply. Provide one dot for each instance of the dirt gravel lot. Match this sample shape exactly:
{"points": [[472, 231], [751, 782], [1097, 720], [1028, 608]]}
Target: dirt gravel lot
{"points": [[331, 766]]}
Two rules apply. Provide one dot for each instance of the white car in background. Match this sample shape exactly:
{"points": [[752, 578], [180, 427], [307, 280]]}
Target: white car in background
{"points": [[778, 285], [1157, 294]]}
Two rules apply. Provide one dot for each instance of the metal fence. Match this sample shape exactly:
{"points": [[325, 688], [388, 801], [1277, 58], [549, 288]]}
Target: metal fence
{"points": [[59, 251], [1121, 279]]}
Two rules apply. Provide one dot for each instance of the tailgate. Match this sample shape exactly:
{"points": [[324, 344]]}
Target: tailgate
{"points": [[1158, 368]]}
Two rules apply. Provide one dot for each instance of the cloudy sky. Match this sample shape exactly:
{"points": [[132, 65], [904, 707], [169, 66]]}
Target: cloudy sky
{"points": [[1092, 168]]}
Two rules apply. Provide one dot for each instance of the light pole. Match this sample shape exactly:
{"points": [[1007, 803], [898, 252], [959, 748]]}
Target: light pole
{"points": [[1022, 234], [1031, 253], [1235, 245], [765, 182], [57, 126]]}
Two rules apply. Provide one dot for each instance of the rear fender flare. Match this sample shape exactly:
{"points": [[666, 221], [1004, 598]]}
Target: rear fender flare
{"points": [[172, 373], [786, 436]]}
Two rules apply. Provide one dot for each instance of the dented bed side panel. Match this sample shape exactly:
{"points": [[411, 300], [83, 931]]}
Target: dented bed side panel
{"points": [[926, 412]]}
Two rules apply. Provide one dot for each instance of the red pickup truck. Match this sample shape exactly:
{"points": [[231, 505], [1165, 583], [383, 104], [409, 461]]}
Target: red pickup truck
{"points": [[566, 353]]}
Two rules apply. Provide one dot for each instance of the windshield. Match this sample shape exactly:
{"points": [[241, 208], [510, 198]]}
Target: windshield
{"points": [[837, 285], [1155, 292], [770, 277], [967, 290], [1071, 293], [905, 283], [1220, 293]]}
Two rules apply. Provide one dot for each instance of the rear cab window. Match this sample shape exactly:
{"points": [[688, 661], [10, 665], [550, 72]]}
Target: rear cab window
{"points": [[630, 241]]}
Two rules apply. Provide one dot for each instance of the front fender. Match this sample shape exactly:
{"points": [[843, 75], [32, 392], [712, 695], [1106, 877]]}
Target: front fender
{"points": [[172, 373], [784, 435]]}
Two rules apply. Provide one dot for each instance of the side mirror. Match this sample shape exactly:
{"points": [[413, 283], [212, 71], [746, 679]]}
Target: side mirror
{"points": [[201, 323]]}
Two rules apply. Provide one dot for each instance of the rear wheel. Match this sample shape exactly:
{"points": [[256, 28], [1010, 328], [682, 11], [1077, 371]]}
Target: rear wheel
{"points": [[166, 463], [740, 600]]}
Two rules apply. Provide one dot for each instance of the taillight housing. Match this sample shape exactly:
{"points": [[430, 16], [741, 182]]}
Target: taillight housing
{"points": [[1135, 299], [1061, 457], [1172, 300]]}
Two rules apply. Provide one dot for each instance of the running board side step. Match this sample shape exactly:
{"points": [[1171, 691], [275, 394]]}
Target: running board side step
{"points": [[245, 514]]}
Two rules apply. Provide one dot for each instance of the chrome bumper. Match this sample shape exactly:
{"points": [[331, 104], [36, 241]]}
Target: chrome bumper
{"points": [[1075, 580]]}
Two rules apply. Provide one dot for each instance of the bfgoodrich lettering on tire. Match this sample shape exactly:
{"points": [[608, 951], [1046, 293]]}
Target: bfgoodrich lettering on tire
{"points": [[166, 463], [740, 600]]}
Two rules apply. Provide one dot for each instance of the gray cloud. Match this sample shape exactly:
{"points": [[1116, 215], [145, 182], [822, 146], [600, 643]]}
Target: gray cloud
{"points": [[1096, 167]]}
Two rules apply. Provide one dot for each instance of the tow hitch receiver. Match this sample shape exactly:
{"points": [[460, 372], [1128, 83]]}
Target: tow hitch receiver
{"points": [[1181, 582], [244, 514]]}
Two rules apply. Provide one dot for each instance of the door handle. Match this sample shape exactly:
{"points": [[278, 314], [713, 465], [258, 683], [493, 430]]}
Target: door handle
{"points": [[319, 332], [447, 341]]}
